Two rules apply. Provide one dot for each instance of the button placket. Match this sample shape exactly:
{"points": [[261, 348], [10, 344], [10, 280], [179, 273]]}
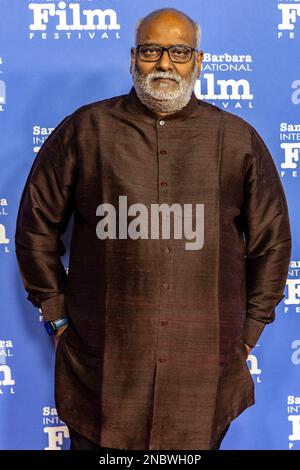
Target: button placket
{"points": [[164, 260], [163, 174]]}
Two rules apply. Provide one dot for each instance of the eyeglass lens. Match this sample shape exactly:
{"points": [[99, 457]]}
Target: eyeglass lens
{"points": [[150, 53]]}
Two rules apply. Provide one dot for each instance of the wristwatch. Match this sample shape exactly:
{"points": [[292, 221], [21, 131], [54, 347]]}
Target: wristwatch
{"points": [[53, 325]]}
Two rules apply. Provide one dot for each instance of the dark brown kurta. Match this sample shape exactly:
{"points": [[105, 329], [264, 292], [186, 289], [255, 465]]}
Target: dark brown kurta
{"points": [[153, 357]]}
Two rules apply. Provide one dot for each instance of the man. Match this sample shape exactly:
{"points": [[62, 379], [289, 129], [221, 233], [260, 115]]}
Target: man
{"points": [[154, 336]]}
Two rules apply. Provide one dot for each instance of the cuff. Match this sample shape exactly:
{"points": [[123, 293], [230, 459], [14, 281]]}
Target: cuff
{"points": [[54, 307], [252, 331]]}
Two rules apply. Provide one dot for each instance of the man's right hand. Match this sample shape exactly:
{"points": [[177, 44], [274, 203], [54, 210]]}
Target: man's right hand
{"points": [[58, 334], [248, 349]]}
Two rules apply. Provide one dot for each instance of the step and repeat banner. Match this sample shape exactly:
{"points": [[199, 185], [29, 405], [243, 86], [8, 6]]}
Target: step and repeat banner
{"points": [[56, 56]]}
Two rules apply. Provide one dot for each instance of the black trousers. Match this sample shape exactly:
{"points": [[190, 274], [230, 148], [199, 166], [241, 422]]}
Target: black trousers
{"points": [[79, 442]]}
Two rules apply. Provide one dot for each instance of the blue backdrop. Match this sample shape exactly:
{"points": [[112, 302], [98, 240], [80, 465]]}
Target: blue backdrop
{"points": [[52, 61]]}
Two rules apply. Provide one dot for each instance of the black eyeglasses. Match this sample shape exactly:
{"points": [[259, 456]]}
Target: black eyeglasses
{"points": [[178, 53]]}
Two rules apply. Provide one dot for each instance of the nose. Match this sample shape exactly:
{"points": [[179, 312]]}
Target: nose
{"points": [[164, 63]]}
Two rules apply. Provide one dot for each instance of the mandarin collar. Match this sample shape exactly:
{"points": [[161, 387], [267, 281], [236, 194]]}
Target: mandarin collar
{"points": [[134, 105]]}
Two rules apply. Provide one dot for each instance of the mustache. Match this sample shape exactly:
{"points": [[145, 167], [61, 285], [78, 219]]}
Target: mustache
{"points": [[159, 74]]}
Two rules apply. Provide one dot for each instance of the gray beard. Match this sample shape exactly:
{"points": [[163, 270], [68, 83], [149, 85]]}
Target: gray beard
{"points": [[159, 100]]}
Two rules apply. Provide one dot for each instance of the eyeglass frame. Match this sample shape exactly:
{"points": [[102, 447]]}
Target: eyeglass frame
{"points": [[163, 49]]}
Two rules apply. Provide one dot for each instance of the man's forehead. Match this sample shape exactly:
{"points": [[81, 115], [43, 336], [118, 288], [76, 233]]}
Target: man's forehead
{"points": [[167, 32]]}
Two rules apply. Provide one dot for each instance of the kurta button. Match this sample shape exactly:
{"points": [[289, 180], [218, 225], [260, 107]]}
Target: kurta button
{"points": [[162, 359], [163, 152], [161, 123], [166, 285], [167, 250], [164, 322], [164, 183]]}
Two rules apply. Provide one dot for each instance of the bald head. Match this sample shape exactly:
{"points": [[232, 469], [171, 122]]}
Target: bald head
{"points": [[163, 21]]}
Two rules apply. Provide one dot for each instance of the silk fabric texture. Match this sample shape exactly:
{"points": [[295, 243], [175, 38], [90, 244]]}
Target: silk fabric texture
{"points": [[154, 356]]}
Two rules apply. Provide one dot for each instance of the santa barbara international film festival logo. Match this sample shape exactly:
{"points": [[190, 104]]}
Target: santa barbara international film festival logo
{"points": [[292, 304], [252, 362], [73, 19], [293, 412], [293, 401], [292, 299], [289, 134], [39, 135], [7, 382], [225, 80], [289, 21], [56, 431], [4, 240]]}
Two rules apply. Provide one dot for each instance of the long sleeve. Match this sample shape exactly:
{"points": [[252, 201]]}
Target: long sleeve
{"points": [[45, 208], [267, 238]]}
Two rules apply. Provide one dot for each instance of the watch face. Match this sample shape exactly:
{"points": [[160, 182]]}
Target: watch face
{"points": [[49, 328]]}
